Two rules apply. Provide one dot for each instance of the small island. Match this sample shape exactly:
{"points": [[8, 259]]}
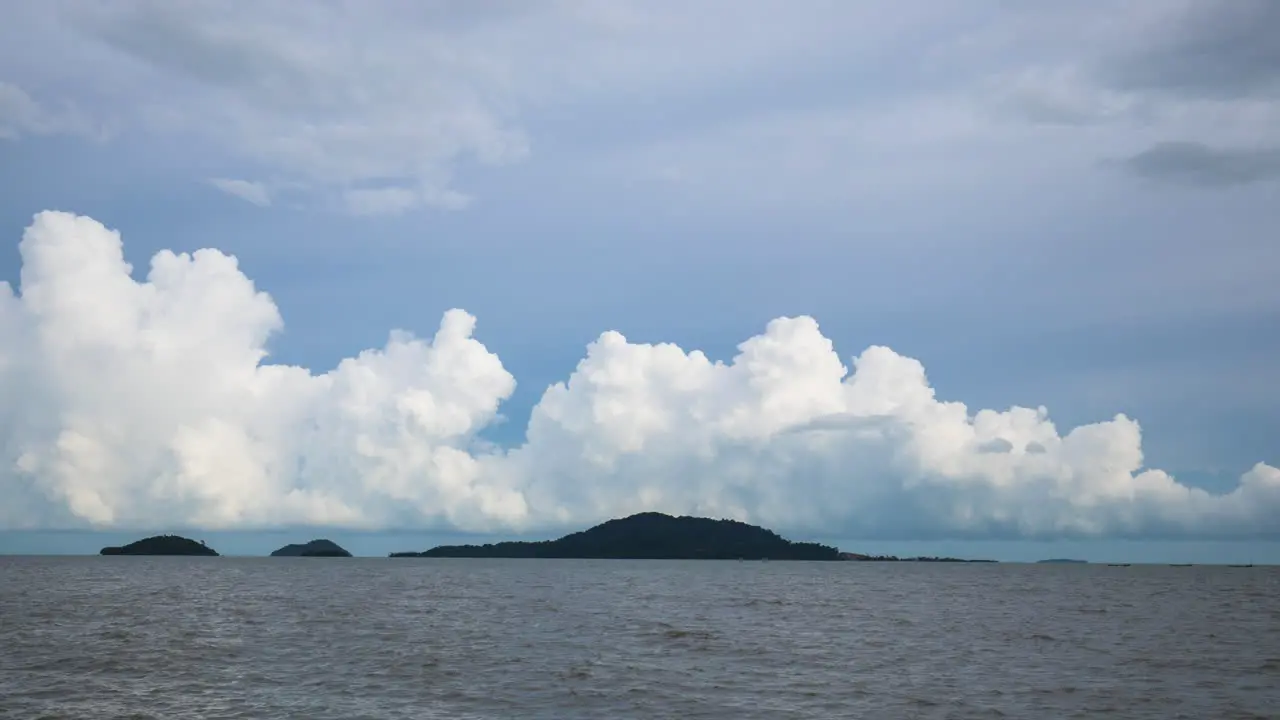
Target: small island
{"points": [[315, 548], [1062, 561], [858, 557], [650, 536], [162, 545]]}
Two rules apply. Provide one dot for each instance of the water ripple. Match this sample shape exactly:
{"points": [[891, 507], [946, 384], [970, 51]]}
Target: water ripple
{"points": [[230, 638]]}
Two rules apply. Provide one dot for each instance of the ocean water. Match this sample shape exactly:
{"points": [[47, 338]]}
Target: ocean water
{"points": [[138, 637]]}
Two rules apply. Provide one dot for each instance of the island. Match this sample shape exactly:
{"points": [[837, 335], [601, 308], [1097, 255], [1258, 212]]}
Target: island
{"points": [[315, 548], [162, 545], [649, 536], [857, 557], [1062, 561]]}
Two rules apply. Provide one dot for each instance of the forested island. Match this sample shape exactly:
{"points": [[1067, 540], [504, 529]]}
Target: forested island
{"points": [[1062, 561], [315, 548], [161, 545], [650, 536]]}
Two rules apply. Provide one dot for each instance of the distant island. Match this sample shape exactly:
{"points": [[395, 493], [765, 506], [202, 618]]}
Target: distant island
{"points": [[315, 548], [161, 545], [650, 536], [894, 558], [1053, 561]]}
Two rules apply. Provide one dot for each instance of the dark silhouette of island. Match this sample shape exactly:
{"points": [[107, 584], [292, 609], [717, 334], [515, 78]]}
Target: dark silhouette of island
{"points": [[858, 557], [315, 548], [1060, 561], [650, 536], [161, 545]]}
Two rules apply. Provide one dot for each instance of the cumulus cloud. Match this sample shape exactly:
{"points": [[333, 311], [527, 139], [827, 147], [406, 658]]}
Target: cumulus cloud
{"points": [[151, 403]]}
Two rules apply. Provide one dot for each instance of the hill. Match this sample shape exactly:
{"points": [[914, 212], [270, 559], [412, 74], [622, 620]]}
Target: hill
{"points": [[315, 548], [161, 545], [650, 536]]}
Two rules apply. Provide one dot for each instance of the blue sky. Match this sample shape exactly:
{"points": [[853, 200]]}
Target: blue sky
{"points": [[1064, 207]]}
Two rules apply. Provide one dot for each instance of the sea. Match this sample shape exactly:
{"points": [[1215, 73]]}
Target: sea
{"points": [[374, 638]]}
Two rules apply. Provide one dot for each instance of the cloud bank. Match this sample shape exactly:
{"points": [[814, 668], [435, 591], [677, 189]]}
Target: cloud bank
{"points": [[418, 102], [147, 404]]}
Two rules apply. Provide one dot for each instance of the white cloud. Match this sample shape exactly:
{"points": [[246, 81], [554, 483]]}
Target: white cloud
{"points": [[150, 404], [252, 192]]}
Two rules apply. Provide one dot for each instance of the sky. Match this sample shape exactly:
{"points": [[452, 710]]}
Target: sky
{"points": [[970, 277]]}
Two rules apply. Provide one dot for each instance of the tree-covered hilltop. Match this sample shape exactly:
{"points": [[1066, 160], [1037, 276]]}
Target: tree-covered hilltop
{"points": [[315, 548], [651, 536], [161, 545]]}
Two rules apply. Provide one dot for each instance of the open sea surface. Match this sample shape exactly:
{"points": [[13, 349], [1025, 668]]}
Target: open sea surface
{"points": [[317, 638]]}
